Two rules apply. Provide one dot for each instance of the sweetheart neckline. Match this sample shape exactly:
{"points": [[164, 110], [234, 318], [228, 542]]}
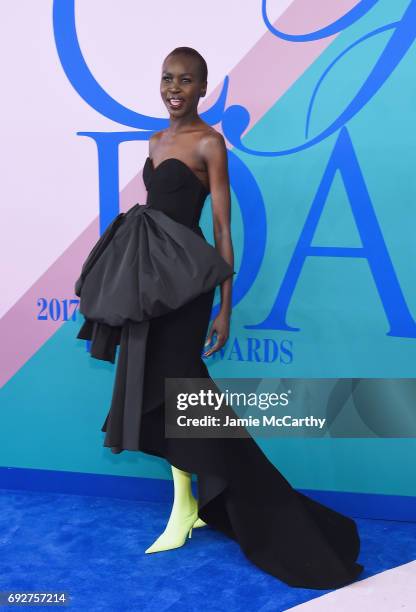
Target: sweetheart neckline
{"points": [[181, 162]]}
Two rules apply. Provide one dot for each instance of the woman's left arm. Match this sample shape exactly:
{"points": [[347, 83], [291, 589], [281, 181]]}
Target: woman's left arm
{"points": [[214, 152]]}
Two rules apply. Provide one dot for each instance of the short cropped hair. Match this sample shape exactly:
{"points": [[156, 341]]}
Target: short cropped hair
{"points": [[203, 68]]}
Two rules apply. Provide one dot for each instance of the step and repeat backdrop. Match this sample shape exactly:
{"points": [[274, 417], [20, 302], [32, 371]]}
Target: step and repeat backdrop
{"points": [[316, 101]]}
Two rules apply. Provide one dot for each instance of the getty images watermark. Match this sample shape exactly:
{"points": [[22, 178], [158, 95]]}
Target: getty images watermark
{"points": [[218, 400], [297, 407], [200, 408]]}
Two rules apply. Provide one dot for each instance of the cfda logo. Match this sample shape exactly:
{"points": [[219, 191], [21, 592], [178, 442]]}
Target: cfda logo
{"points": [[234, 120]]}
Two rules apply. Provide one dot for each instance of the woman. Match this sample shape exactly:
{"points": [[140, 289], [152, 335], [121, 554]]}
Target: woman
{"points": [[148, 285]]}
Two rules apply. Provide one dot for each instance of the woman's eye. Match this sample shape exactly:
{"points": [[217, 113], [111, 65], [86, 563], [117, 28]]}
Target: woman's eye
{"points": [[167, 78]]}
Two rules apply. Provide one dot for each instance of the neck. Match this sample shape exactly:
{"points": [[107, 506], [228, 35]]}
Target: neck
{"points": [[177, 124]]}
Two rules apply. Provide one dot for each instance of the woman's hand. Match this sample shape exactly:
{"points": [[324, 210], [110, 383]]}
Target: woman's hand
{"points": [[220, 326]]}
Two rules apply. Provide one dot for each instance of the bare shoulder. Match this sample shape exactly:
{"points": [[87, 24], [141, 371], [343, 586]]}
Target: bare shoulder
{"points": [[154, 141], [212, 145]]}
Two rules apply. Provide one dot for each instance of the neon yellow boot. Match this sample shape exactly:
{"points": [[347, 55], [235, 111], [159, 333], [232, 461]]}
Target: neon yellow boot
{"points": [[183, 516]]}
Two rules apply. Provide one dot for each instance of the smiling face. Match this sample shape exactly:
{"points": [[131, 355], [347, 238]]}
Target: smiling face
{"points": [[181, 85]]}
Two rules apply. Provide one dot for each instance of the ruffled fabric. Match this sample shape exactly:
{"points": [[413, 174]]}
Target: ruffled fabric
{"points": [[144, 265]]}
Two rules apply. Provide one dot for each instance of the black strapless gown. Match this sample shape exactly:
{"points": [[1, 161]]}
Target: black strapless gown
{"points": [[148, 285]]}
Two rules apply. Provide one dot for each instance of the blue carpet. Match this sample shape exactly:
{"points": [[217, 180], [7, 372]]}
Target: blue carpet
{"points": [[92, 548]]}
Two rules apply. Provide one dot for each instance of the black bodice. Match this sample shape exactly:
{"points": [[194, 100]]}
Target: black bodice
{"points": [[173, 188]]}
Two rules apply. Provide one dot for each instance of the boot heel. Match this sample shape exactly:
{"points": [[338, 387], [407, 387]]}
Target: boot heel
{"points": [[190, 533]]}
